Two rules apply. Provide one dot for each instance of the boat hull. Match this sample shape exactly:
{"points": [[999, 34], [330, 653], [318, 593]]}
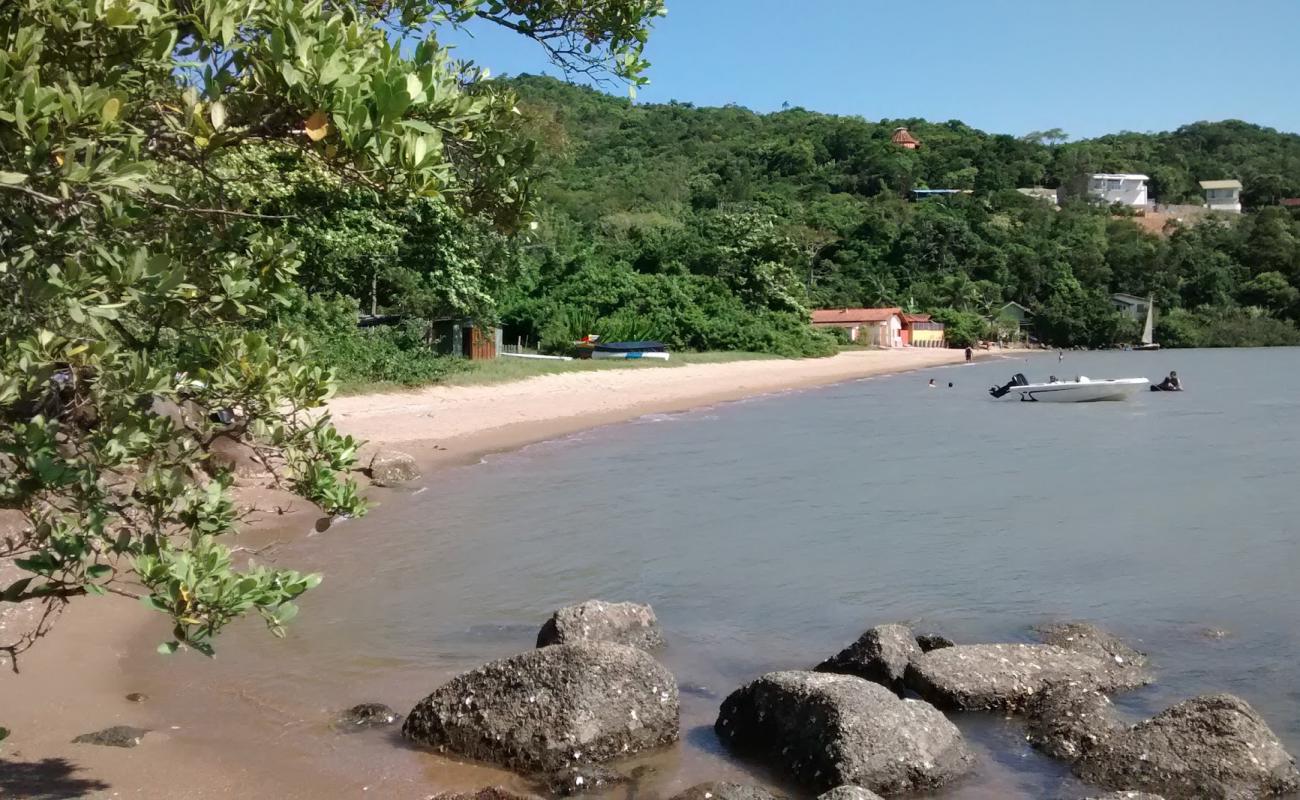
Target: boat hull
{"points": [[1080, 392]]}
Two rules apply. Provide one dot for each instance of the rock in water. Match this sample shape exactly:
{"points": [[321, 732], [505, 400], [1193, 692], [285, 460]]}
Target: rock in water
{"points": [[1084, 637], [829, 730], [583, 778], [391, 467], [1214, 747], [1125, 796], [880, 655], [1068, 721], [933, 641], [486, 793], [547, 709], [849, 793], [721, 790], [598, 621], [983, 677], [366, 715], [116, 736]]}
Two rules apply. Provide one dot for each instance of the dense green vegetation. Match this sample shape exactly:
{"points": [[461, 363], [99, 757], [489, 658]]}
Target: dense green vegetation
{"points": [[186, 189], [712, 227]]}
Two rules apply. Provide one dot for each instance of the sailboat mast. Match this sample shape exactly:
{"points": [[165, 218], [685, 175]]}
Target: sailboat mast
{"points": [[1148, 336]]}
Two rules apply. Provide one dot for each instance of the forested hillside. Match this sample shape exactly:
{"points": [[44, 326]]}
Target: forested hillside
{"points": [[717, 227]]}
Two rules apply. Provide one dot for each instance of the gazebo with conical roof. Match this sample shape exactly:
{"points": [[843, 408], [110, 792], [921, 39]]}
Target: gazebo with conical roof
{"points": [[903, 138]]}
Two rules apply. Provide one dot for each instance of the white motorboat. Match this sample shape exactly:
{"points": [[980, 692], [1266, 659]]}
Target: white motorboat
{"points": [[1080, 390]]}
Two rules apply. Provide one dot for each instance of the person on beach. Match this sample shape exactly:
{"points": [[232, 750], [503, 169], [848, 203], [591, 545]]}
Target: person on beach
{"points": [[968, 354], [1060, 356]]}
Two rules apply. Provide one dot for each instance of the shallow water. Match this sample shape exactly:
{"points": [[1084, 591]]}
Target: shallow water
{"points": [[769, 533]]}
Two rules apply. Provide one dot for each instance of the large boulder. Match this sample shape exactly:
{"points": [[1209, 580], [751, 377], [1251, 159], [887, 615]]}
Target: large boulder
{"points": [[392, 467], [828, 730], [982, 677], [880, 655], [722, 790], [1084, 637], [1067, 721], [849, 793], [548, 709], [1213, 747], [600, 621]]}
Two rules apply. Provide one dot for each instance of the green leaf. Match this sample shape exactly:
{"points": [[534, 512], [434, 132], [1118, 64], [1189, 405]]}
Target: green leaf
{"points": [[167, 648], [110, 110], [218, 114], [12, 178]]}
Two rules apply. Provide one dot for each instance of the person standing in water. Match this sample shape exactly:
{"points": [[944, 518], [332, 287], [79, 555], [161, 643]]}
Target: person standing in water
{"points": [[931, 383]]}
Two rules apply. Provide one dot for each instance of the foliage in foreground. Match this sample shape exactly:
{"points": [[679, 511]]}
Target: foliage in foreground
{"points": [[145, 286]]}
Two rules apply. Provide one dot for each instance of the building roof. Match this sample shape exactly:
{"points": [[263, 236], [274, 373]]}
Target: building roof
{"points": [[850, 315], [1129, 299], [903, 136], [929, 192], [909, 318], [1220, 184], [1120, 176], [1291, 202], [1039, 191], [1017, 305]]}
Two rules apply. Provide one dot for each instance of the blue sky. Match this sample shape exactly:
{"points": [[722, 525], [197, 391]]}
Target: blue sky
{"points": [[1008, 66]]}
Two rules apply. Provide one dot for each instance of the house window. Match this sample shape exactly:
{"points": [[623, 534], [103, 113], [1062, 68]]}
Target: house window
{"points": [[1114, 185]]}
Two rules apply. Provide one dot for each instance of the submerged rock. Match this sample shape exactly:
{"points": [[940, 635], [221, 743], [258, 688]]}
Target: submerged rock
{"points": [[392, 467], [849, 793], [983, 677], [1214, 747], [486, 793], [1084, 637], [828, 730], [933, 641], [600, 621], [1124, 796], [137, 697], [547, 709], [583, 778], [721, 790], [116, 736], [697, 690], [880, 655], [366, 715], [1068, 721]]}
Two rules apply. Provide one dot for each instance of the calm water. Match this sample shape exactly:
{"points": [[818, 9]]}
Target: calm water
{"points": [[769, 533]]}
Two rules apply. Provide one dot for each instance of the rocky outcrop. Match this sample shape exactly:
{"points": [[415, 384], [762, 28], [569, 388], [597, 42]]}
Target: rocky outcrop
{"points": [[849, 793], [1084, 637], [880, 655], [1068, 721], [366, 715], [632, 624], [1214, 747], [116, 736], [392, 467], [1124, 796], [933, 641], [721, 790], [982, 677], [552, 708], [826, 730]]}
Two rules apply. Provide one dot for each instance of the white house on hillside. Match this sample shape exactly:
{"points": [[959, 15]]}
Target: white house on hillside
{"points": [[1222, 195], [1131, 190]]}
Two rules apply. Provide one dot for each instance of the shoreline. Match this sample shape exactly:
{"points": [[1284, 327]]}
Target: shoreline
{"points": [[53, 699]]}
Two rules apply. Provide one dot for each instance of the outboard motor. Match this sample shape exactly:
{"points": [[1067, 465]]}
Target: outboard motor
{"points": [[1016, 380]]}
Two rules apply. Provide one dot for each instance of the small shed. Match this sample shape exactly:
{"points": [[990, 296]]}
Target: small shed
{"points": [[466, 338], [1222, 195], [920, 330]]}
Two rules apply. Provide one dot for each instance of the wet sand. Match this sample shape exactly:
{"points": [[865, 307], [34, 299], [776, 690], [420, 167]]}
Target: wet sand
{"points": [[76, 681]]}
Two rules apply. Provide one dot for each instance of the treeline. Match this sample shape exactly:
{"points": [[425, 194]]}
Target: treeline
{"points": [[719, 229]]}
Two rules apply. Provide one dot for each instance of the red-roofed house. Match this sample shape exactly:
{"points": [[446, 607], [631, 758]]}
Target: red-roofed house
{"points": [[904, 139], [882, 327], [919, 330]]}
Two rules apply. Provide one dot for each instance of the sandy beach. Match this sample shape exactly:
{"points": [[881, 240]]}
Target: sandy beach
{"points": [[76, 681]]}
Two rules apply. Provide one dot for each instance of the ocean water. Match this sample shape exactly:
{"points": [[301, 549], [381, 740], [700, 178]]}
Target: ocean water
{"points": [[769, 533]]}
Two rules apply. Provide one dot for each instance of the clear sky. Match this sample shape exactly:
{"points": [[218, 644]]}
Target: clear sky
{"points": [[1006, 66]]}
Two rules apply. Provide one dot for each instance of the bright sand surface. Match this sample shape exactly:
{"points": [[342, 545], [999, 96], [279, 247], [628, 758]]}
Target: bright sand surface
{"points": [[76, 681]]}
